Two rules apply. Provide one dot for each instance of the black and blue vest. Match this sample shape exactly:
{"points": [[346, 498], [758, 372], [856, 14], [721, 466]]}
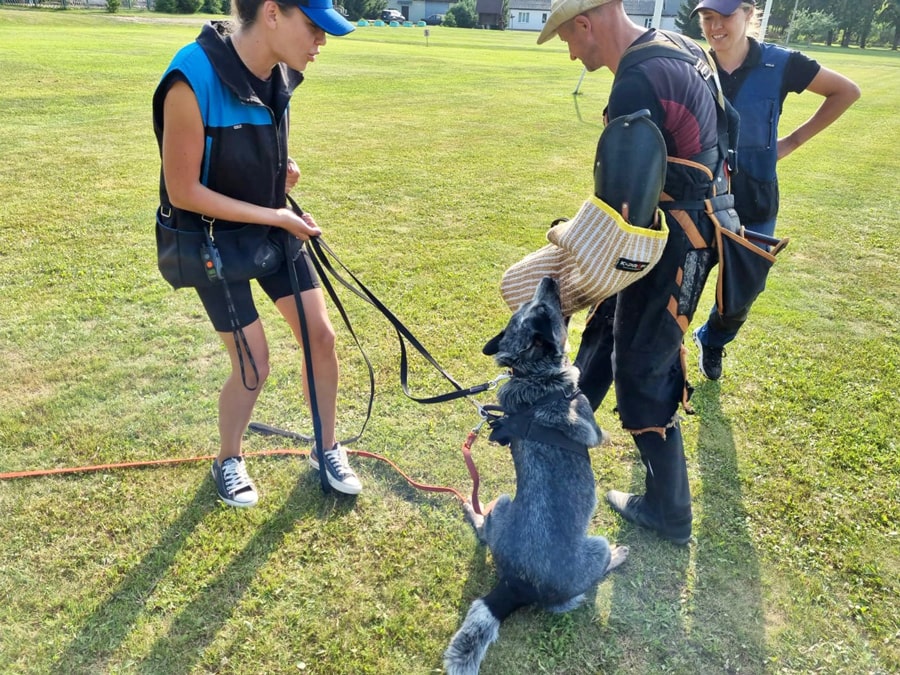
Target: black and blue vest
{"points": [[245, 154], [758, 101]]}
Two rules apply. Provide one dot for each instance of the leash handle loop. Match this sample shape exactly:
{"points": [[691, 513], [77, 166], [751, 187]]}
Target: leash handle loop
{"points": [[320, 253]]}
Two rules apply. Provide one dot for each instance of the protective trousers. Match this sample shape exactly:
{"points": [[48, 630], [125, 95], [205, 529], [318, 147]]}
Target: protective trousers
{"points": [[642, 353], [667, 493]]}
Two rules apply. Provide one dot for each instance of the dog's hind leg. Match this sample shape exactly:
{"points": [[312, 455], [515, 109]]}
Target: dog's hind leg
{"points": [[481, 627], [618, 555], [567, 606], [598, 560]]}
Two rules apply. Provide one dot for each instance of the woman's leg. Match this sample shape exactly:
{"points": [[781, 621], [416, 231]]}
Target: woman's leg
{"points": [[324, 358], [235, 400], [325, 379]]}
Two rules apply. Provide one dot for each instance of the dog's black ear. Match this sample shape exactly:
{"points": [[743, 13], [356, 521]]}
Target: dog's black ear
{"points": [[493, 345]]}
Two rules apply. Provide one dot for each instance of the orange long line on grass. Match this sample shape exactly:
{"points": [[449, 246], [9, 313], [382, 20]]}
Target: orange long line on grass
{"points": [[181, 460]]}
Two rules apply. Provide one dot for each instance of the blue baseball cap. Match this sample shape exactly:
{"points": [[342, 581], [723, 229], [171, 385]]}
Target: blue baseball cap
{"points": [[723, 7], [325, 16]]}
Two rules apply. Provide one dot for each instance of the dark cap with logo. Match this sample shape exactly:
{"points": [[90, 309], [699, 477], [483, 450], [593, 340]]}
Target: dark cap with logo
{"points": [[723, 7]]}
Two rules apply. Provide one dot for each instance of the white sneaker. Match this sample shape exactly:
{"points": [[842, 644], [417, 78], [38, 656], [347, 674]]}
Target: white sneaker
{"points": [[340, 476]]}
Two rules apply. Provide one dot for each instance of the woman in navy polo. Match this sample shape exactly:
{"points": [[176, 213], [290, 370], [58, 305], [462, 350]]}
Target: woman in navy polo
{"points": [[756, 77]]}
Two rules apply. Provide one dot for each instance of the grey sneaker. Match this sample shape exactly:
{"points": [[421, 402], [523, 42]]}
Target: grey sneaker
{"points": [[710, 361], [233, 483], [340, 476]]}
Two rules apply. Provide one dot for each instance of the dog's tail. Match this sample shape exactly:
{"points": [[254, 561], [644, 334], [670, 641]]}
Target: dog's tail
{"points": [[480, 629]]}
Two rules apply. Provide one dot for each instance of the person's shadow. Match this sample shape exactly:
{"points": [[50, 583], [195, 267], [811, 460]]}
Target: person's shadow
{"points": [[198, 622], [109, 625], [692, 608], [728, 595]]}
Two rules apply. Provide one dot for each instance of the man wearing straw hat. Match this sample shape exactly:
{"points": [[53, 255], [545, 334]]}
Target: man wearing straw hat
{"points": [[639, 344]]}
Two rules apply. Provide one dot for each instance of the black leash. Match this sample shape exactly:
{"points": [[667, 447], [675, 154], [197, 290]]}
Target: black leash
{"points": [[319, 448], [214, 270], [321, 256]]}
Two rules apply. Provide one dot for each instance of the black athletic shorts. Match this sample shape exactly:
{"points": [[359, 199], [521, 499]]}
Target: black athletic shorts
{"points": [[276, 285]]}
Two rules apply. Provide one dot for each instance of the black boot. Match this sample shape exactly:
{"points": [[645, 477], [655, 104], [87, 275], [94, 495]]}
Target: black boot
{"points": [[665, 507]]}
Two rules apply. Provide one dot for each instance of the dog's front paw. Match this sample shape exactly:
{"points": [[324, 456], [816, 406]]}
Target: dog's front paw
{"points": [[474, 519], [617, 556]]}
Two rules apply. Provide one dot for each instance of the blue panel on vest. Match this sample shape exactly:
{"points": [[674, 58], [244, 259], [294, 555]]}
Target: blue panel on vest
{"points": [[219, 107]]}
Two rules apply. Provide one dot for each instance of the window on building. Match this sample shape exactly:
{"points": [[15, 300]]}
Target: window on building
{"points": [[648, 23], [544, 18], [523, 17]]}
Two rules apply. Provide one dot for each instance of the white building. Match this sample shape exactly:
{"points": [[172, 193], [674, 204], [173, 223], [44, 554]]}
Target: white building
{"points": [[532, 14]]}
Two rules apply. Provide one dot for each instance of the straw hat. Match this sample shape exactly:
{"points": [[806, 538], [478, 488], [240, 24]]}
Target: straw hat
{"points": [[562, 11]]}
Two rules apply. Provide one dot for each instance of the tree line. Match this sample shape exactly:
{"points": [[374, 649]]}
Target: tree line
{"points": [[861, 23], [462, 13]]}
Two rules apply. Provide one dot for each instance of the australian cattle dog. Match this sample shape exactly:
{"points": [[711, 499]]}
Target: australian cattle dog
{"points": [[538, 539]]}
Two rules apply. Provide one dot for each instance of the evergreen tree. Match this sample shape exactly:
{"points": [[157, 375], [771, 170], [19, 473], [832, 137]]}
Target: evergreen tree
{"points": [[688, 25]]}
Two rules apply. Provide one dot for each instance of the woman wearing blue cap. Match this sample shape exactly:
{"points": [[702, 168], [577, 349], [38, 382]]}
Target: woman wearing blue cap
{"points": [[221, 117], [756, 77]]}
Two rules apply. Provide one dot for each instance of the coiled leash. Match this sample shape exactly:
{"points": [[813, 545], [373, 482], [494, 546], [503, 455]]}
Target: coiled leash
{"points": [[212, 263]]}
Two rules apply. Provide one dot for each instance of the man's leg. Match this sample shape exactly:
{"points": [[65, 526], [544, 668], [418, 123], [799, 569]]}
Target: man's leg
{"points": [[594, 358], [665, 506]]}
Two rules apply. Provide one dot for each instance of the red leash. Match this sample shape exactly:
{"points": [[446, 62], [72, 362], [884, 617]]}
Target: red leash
{"points": [[470, 465]]}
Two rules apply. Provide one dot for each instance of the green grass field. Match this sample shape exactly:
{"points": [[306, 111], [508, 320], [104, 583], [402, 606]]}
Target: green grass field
{"points": [[431, 168]]}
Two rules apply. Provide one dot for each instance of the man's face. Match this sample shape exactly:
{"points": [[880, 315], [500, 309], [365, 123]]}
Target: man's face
{"points": [[579, 36]]}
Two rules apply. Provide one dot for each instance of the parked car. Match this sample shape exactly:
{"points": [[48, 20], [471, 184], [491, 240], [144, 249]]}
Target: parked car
{"points": [[389, 15], [434, 19]]}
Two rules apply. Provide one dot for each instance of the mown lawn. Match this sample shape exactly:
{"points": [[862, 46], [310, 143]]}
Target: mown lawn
{"points": [[431, 167]]}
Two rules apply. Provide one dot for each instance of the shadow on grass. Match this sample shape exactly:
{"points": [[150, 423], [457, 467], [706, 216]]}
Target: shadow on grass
{"points": [[199, 622], [646, 606], [696, 608], [593, 123], [727, 615], [111, 622]]}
